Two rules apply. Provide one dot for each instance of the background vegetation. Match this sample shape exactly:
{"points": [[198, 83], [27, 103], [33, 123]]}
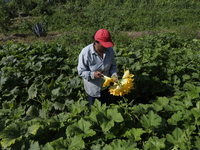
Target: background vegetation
{"points": [[90, 15]]}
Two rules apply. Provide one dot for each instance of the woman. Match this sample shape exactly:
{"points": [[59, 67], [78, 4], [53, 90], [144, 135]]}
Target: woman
{"points": [[96, 60]]}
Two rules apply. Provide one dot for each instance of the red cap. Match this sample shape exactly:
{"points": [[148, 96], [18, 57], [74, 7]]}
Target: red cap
{"points": [[103, 36]]}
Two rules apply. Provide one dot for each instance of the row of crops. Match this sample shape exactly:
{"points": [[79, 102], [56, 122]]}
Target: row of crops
{"points": [[43, 105]]}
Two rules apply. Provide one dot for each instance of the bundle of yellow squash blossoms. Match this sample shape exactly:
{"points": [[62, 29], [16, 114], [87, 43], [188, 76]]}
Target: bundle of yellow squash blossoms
{"points": [[122, 86]]}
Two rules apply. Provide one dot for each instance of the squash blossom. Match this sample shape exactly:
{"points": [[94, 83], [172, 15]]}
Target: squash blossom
{"points": [[107, 81], [123, 86]]}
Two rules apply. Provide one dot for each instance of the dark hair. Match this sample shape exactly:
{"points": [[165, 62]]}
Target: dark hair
{"points": [[94, 39]]}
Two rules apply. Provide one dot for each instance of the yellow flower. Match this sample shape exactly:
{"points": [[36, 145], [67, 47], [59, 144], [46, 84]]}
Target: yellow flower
{"points": [[107, 81], [123, 86], [127, 74], [115, 90]]}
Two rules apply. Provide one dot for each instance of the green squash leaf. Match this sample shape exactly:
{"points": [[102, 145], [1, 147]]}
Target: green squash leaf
{"points": [[134, 134], [76, 143], [176, 137], [105, 123], [37, 66], [162, 101], [58, 106], [122, 145], [115, 115], [78, 106], [154, 143], [45, 89], [175, 118], [32, 91], [151, 121], [32, 112], [55, 91], [69, 144], [32, 130], [193, 92], [34, 146], [196, 113], [97, 107], [81, 128], [59, 144], [11, 134], [48, 147]]}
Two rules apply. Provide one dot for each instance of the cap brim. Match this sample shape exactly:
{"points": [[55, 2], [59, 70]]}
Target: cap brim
{"points": [[106, 44]]}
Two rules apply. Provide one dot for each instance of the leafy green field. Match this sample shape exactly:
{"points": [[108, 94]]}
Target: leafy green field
{"points": [[91, 15], [43, 105]]}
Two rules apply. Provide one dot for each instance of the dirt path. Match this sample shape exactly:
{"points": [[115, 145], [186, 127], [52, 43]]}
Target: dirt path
{"points": [[27, 38], [31, 37]]}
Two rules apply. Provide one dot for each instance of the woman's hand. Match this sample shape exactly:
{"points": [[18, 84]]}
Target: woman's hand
{"points": [[98, 74], [115, 77]]}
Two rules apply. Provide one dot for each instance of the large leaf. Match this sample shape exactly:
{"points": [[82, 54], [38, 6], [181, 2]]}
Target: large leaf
{"points": [[32, 130], [154, 143], [48, 147], [122, 145], [76, 143], [32, 91], [134, 134], [140, 108], [97, 107], [58, 144], [15, 132], [105, 118], [37, 66], [56, 91], [45, 89], [176, 137], [193, 90], [58, 121], [162, 101], [115, 115], [59, 106], [197, 142], [79, 106], [105, 122], [75, 82], [96, 147], [3, 80], [151, 121], [175, 118], [196, 113], [11, 134], [81, 128], [32, 112], [172, 108], [69, 144], [34, 146]]}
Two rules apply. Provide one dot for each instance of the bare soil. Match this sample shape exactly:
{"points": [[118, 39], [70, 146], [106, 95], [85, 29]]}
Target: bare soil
{"points": [[31, 37], [27, 38]]}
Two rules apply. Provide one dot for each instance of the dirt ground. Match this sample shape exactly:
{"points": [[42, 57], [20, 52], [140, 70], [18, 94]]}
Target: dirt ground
{"points": [[27, 38], [31, 37]]}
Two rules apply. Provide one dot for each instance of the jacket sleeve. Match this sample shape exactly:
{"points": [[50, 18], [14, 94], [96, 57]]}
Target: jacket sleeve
{"points": [[83, 68]]}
